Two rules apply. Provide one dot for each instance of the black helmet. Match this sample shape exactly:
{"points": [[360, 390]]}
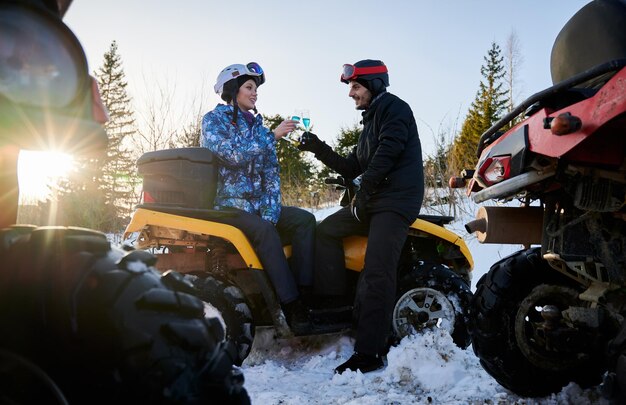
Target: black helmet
{"points": [[372, 74]]}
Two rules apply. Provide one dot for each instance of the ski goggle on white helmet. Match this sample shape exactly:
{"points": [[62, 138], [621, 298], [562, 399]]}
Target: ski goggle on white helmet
{"points": [[232, 72]]}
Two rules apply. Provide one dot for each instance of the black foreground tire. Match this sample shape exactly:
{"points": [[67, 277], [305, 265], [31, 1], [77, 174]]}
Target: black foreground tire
{"points": [[233, 310], [431, 295], [105, 327], [23, 382], [506, 310]]}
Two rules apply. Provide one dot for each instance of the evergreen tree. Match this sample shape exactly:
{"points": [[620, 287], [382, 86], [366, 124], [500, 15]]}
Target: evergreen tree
{"points": [[347, 139], [296, 170], [487, 108], [81, 200], [100, 192], [436, 166], [343, 145], [118, 169]]}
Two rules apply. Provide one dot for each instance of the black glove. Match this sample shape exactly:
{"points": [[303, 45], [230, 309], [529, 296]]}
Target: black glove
{"points": [[358, 206], [344, 185], [310, 142]]}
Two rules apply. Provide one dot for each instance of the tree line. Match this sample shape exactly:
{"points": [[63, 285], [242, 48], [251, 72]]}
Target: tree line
{"points": [[102, 191]]}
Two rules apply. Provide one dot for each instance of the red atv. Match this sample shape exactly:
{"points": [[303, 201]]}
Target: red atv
{"points": [[554, 312]]}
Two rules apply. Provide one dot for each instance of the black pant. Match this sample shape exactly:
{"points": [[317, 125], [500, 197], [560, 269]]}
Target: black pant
{"points": [[295, 226], [376, 291]]}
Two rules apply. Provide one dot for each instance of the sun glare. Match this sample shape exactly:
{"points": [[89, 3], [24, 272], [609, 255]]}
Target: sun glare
{"points": [[37, 171]]}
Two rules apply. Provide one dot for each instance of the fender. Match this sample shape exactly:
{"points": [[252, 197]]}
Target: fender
{"points": [[144, 217], [355, 246]]}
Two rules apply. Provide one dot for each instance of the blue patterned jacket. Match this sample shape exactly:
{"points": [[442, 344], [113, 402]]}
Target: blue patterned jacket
{"points": [[249, 171]]}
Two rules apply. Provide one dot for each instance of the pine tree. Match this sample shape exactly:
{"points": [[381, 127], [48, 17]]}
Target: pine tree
{"points": [[344, 144], [100, 191], [296, 170], [81, 200], [347, 139], [436, 165], [118, 168], [486, 109]]}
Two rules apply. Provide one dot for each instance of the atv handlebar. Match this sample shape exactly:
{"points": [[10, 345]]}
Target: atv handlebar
{"points": [[340, 182]]}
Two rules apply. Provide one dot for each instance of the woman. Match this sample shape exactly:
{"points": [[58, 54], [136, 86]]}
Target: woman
{"points": [[249, 183]]}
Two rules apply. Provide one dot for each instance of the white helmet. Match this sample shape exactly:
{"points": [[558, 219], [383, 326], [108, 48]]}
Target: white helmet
{"points": [[233, 72]]}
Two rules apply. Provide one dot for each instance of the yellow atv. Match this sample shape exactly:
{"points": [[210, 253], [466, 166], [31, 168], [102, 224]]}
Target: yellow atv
{"points": [[223, 270]]}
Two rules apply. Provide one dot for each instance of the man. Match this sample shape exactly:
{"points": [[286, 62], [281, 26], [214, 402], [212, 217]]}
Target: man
{"points": [[386, 166]]}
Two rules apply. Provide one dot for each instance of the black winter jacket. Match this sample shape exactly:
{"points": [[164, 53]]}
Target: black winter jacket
{"points": [[389, 157]]}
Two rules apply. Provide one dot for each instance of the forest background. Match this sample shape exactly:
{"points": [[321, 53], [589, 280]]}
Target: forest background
{"points": [[101, 193]]}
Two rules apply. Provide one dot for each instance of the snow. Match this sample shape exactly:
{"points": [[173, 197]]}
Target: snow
{"points": [[423, 369]]}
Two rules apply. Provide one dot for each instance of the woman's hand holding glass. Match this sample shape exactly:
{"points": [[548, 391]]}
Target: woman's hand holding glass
{"points": [[301, 119], [285, 128]]}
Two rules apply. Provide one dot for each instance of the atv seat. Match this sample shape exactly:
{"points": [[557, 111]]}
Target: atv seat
{"points": [[440, 220], [197, 213]]}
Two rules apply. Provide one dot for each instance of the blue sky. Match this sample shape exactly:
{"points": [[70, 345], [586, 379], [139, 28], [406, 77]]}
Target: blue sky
{"points": [[433, 48]]}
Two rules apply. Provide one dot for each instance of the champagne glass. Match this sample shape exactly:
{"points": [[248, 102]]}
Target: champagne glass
{"points": [[296, 116], [292, 137], [306, 120]]}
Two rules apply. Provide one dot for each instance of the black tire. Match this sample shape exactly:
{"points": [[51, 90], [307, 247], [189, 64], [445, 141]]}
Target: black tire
{"points": [[505, 310], [432, 295], [228, 300], [23, 382], [105, 327]]}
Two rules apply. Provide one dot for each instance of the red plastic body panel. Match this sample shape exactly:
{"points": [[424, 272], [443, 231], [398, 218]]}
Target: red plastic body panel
{"points": [[608, 103]]}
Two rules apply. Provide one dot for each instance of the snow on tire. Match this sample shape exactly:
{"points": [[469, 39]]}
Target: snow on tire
{"points": [[227, 302], [431, 295]]}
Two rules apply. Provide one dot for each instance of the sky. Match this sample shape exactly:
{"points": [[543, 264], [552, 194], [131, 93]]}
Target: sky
{"points": [[434, 50]]}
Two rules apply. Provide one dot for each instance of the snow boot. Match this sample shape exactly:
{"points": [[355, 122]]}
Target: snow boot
{"points": [[362, 362], [297, 316]]}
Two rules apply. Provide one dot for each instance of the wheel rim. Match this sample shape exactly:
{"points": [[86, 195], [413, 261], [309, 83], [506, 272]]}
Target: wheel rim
{"points": [[423, 308], [529, 323]]}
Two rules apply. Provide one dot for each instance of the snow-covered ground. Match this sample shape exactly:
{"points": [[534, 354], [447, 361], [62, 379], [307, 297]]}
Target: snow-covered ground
{"points": [[423, 369]]}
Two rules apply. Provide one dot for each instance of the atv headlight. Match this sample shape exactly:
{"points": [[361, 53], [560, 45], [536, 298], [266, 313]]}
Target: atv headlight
{"points": [[494, 170], [41, 62]]}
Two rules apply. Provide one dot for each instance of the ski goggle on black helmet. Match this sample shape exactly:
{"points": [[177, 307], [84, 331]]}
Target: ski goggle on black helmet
{"points": [[367, 69], [232, 72]]}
